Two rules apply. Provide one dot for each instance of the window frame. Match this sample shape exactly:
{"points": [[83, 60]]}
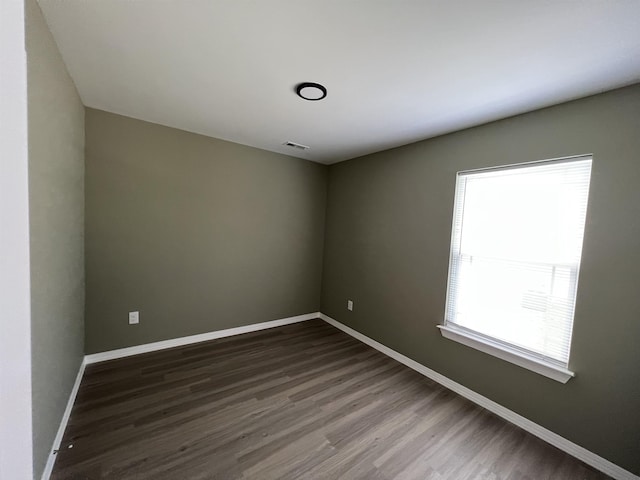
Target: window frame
{"points": [[504, 350]]}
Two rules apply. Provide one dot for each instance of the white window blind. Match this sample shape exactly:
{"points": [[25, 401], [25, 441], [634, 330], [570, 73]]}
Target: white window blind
{"points": [[515, 255]]}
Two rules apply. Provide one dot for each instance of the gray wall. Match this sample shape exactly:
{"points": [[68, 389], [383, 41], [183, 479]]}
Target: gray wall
{"points": [[387, 247], [197, 234], [56, 218]]}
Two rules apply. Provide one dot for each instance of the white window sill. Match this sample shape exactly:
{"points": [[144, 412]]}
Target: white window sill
{"points": [[514, 356]]}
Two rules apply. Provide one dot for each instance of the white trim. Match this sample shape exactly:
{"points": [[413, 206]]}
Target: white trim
{"points": [[548, 436], [48, 468], [152, 347], [513, 356], [530, 163], [539, 431], [203, 337]]}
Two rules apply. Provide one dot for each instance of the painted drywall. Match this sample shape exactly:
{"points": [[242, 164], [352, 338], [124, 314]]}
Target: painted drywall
{"points": [[16, 439], [56, 222], [196, 234], [388, 230]]}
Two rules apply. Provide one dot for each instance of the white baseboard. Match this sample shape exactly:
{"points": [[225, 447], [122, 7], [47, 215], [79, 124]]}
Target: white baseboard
{"points": [[48, 468], [203, 337], [151, 347], [548, 436]]}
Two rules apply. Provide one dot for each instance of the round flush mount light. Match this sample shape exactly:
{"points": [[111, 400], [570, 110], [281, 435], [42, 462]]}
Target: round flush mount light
{"points": [[311, 91]]}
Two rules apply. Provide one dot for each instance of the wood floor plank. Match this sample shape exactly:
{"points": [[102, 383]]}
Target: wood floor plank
{"points": [[304, 401]]}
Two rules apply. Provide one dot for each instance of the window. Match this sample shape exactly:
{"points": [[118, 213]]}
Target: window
{"points": [[515, 256]]}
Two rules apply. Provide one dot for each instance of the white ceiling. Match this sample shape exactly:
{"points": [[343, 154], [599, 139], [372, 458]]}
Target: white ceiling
{"points": [[396, 71]]}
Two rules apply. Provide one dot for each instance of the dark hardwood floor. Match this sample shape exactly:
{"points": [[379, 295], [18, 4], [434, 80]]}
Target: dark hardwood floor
{"points": [[305, 401]]}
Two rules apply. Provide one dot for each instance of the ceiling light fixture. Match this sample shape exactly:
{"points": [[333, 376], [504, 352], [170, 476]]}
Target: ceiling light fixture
{"points": [[311, 91]]}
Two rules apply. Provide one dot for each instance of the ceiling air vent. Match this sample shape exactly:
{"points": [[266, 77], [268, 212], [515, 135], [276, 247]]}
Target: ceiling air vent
{"points": [[296, 145]]}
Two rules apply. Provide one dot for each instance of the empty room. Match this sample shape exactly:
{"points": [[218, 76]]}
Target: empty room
{"points": [[320, 240]]}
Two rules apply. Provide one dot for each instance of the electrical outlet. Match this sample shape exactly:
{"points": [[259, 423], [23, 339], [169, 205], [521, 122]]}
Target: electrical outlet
{"points": [[350, 305], [134, 318]]}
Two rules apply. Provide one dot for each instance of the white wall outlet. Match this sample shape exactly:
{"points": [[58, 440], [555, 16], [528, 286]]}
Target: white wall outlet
{"points": [[134, 317], [350, 305]]}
